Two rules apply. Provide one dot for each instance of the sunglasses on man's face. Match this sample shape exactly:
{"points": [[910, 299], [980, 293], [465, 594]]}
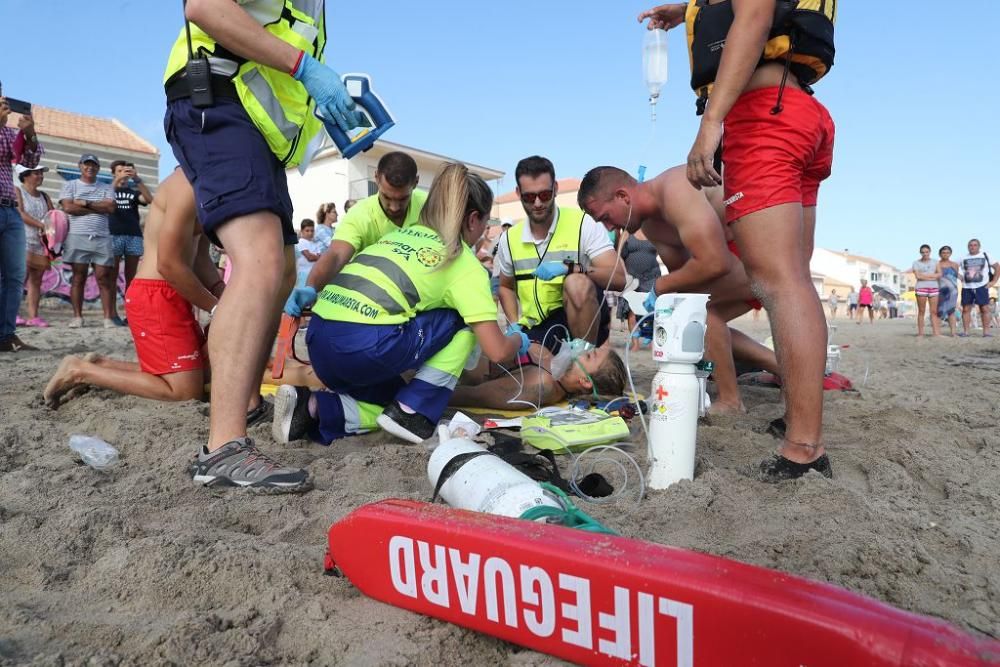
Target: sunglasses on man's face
{"points": [[544, 196]]}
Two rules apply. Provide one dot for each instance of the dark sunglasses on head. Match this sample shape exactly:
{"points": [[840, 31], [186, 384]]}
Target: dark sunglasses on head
{"points": [[544, 196]]}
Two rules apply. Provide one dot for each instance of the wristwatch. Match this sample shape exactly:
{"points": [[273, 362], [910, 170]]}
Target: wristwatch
{"points": [[569, 265]]}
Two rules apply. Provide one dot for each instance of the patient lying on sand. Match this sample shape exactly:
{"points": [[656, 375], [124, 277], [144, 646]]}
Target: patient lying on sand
{"points": [[530, 382]]}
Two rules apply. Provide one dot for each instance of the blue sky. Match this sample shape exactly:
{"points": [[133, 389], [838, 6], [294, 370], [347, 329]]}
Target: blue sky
{"points": [[914, 98]]}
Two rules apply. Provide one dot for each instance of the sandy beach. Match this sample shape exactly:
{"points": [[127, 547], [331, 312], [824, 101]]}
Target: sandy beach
{"points": [[139, 566]]}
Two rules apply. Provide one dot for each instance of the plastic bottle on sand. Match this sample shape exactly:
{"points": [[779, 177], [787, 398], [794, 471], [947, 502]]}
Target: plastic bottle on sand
{"points": [[93, 451]]}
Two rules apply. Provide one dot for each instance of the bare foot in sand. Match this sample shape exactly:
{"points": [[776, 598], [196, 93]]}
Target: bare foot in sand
{"points": [[727, 409], [62, 381]]}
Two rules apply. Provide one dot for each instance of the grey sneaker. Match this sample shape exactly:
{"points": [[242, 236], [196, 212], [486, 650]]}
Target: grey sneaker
{"points": [[292, 420], [76, 323], [240, 463]]}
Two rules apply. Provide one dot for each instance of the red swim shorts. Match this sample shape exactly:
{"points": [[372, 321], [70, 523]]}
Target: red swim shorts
{"points": [[168, 339], [775, 159], [753, 303]]}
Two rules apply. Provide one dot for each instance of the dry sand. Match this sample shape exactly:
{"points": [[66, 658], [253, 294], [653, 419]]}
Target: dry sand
{"points": [[138, 566]]}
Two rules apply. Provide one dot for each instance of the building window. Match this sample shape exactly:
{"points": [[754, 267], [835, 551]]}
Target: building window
{"points": [[361, 188]]}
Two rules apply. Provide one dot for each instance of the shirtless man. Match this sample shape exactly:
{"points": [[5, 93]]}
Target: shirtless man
{"points": [[686, 227], [175, 272]]}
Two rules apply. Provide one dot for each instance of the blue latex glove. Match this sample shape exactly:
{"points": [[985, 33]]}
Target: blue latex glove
{"points": [[650, 303], [645, 330], [551, 269], [299, 299], [332, 99], [512, 329], [525, 343]]}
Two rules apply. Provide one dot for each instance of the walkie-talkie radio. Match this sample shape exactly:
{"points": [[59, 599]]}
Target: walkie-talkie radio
{"points": [[198, 73]]}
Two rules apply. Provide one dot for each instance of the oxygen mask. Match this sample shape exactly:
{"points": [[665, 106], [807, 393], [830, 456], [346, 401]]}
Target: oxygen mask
{"points": [[568, 353]]}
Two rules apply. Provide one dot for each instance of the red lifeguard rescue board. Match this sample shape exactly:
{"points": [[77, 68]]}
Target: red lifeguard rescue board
{"points": [[606, 600]]}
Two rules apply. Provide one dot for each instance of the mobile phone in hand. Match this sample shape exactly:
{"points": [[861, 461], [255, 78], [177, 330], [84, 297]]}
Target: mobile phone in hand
{"points": [[19, 106]]}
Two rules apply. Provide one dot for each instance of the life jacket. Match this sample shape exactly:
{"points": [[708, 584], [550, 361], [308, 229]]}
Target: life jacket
{"points": [[278, 105], [540, 297], [801, 36]]}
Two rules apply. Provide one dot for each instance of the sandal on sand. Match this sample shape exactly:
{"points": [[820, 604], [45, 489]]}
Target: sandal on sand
{"points": [[776, 468], [36, 322]]}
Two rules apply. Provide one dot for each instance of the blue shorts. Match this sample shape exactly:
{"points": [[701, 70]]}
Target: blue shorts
{"points": [[979, 296], [126, 245], [229, 165]]}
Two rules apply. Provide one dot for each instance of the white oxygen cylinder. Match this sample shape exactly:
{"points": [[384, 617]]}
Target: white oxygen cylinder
{"points": [[673, 425], [676, 394], [485, 483]]}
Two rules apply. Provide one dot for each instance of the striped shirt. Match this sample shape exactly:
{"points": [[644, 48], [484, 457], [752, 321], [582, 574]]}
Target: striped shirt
{"points": [[92, 224], [8, 136]]}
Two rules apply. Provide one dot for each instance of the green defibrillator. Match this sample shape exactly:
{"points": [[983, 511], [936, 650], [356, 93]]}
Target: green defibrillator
{"points": [[560, 429]]}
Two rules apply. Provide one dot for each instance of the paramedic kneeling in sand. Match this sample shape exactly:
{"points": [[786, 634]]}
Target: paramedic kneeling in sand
{"points": [[416, 299], [555, 265]]}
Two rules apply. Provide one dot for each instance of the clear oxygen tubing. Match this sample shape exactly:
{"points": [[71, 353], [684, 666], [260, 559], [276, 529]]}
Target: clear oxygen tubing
{"points": [[515, 399], [590, 456], [628, 372]]}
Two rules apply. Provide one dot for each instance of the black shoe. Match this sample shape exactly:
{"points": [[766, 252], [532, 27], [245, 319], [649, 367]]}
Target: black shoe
{"points": [[412, 427], [261, 413], [15, 344], [119, 321], [777, 468], [291, 414]]}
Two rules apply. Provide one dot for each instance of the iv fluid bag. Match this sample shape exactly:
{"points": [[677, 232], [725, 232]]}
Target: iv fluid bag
{"points": [[654, 60]]}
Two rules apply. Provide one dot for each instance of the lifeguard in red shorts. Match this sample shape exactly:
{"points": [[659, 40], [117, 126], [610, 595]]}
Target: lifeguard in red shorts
{"points": [[752, 62]]}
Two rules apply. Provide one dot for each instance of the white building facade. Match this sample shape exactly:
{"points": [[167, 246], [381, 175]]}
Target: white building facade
{"points": [[847, 269]]}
